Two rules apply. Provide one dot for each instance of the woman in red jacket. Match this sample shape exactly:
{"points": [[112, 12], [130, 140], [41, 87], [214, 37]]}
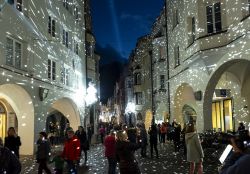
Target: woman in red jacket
{"points": [[71, 151], [109, 144]]}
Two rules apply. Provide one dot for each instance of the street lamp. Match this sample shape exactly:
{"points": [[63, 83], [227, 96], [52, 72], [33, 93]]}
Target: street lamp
{"points": [[91, 95]]}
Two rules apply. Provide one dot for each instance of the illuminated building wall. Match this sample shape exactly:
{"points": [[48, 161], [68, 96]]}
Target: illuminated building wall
{"points": [[141, 71], [207, 42], [159, 69], [43, 70]]}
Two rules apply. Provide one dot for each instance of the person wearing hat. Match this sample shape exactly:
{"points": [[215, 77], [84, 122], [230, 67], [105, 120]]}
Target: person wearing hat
{"points": [[71, 151], [43, 153]]}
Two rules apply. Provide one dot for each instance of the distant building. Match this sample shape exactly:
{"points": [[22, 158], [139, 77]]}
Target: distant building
{"points": [[140, 66], [93, 76]]}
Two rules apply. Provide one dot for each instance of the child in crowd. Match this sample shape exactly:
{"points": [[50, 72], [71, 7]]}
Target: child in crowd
{"points": [[59, 162]]}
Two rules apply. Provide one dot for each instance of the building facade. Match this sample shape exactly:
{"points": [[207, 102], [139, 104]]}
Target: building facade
{"points": [[140, 65], [160, 70], [208, 50], [43, 67], [205, 75], [92, 66]]}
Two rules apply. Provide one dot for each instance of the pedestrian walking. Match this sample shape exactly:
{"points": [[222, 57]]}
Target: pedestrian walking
{"points": [[153, 140], [102, 133], [89, 133], [9, 162], [194, 150], [43, 153], [125, 154], [159, 132], [12, 141], [58, 162], [71, 151], [109, 144], [82, 136], [163, 130], [177, 138], [144, 140]]}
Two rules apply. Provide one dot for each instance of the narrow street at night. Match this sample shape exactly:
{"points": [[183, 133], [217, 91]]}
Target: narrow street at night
{"points": [[85, 84], [167, 162]]}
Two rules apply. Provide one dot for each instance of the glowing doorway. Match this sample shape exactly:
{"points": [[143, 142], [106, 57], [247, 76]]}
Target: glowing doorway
{"points": [[222, 117], [3, 121]]}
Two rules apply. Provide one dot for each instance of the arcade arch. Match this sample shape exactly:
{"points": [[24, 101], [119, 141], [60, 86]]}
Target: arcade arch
{"points": [[227, 96], [69, 109], [18, 112], [184, 97]]}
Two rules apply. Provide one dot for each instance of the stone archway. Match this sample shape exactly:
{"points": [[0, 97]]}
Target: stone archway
{"points": [[233, 74], [20, 101], [69, 109], [184, 96]]}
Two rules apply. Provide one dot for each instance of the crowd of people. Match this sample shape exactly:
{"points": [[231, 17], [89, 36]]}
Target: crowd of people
{"points": [[120, 143]]}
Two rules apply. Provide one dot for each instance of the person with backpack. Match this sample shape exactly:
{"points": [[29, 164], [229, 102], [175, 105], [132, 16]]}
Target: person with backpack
{"points": [[9, 162]]}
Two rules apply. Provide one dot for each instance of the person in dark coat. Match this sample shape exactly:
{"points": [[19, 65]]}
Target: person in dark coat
{"points": [[89, 133], [144, 140], [176, 138], [125, 154], [82, 136], [9, 162], [12, 141], [237, 162], [43, 153], [153, 140], [132, 134]]}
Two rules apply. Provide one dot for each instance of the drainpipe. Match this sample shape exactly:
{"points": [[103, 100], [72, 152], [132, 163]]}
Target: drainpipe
{"points": [[168, 76], [152, 87]]}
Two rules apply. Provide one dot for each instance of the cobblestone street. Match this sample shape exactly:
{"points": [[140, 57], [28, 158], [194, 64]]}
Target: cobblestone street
{"points": [[97, 163]]}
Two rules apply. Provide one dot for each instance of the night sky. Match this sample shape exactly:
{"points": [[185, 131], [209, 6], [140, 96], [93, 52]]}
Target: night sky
{"points": [[116, 25]]}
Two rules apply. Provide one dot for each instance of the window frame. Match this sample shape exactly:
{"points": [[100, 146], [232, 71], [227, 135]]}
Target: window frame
{"points": [[51, 26], [138, 98], [214, 18], [162, 82], [51, 69], [19, 5], [177, 56], [14, 53]]}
